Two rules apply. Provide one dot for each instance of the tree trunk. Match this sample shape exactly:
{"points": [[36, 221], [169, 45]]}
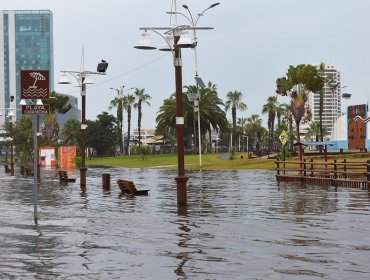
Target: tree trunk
{"points": [[128, 127], [139, 121]]}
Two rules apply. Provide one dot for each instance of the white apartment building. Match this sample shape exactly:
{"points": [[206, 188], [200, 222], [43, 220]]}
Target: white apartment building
{"points": [[332, 99]]}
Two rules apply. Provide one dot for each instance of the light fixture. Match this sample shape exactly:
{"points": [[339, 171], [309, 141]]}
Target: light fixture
{"points": [[144, 43], [23, 102], [185, 41], [169, 42], [39, 102], [63, 79]]}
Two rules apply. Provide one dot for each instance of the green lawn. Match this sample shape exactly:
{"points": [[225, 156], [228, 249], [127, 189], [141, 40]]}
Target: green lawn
{"points": [[209, 162]]}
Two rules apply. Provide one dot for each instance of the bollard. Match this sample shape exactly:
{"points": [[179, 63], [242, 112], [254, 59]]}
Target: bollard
{"points": [[106, 181]]}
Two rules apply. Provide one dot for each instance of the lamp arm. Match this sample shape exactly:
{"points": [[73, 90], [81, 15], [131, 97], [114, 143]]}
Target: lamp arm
{"points": [[164, 38]]}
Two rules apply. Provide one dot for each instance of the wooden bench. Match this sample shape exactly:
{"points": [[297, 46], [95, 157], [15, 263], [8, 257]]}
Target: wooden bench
{"points": [[28, 171], [63, 177], [7, 169], [128, 187]]}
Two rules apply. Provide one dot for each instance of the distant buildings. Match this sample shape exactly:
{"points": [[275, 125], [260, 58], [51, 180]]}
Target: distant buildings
{"points": [[332, 99], [26, 40]]}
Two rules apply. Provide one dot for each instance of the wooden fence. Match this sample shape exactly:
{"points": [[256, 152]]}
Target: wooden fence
{"points": [[338, 174]]}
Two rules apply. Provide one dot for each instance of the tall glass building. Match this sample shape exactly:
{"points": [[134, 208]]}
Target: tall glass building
{"points": [[26, 41]]}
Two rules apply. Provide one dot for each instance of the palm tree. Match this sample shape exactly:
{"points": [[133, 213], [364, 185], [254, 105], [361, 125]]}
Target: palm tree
{"points": [[212, 116], [270, 107], [241, 123], [234, 102], [314, 131], [117, 102], [128, 103], [71, 132], [141, 98]]}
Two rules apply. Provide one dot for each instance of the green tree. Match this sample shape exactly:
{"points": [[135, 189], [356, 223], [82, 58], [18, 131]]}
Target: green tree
{"points": [[212, 117], [23, 139], [270, 108], [314, 131], [59, 104], [71, 133], [234, 102], [102, 134], [128, 103], [117, 102], [297, 84], [141, 98]]}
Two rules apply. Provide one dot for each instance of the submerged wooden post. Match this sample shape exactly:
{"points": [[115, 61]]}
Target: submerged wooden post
{"points": [[277, 167], [304, 168], [106, 182]]}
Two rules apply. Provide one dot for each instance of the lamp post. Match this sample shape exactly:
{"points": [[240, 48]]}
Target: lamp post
{"points": [[199, 81], [82, 78], [120, 92], [181, 39]]}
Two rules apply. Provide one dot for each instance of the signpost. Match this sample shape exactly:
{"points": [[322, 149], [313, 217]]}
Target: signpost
{"points": [[283, 139], [35, 85]]}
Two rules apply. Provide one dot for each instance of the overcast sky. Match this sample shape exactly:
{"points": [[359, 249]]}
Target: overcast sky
{"points": [[253, 43]]}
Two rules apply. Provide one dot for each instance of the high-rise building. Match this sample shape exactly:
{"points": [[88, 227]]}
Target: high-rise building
{"points": [[26, 42], [332, 99]]}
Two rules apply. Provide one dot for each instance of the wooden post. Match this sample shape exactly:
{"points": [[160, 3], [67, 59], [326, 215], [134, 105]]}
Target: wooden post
{"points": [[335, 169], [304, 168], [311, 167], [345, 169], [106, 182], [277, 167]]}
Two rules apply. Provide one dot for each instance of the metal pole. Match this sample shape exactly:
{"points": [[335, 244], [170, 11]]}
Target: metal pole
{"points": [[38, 170], [199, 138], [35, 156], [11, 148], [83, 168], [181, 179]]}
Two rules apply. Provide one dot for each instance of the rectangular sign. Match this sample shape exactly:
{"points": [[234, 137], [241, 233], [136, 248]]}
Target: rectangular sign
{"points": [[36, 109], [34, 84]]}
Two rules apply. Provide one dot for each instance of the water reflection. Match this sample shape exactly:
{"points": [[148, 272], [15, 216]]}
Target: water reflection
{"points": [[238, 225]]}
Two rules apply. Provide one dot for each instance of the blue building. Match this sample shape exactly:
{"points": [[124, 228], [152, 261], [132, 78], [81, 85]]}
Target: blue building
{"points": [[26, 41]]}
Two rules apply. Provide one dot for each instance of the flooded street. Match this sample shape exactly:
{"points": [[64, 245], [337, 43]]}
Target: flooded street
{"points": [[240, 225]]}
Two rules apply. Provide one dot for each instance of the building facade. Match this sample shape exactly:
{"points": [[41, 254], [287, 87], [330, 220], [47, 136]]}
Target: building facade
{"points": [[26, 40], [332, 99]]}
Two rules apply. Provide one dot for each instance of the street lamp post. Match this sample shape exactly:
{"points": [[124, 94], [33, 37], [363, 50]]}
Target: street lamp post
{"points": [[180, 40], [199, 81], [82, 77]]}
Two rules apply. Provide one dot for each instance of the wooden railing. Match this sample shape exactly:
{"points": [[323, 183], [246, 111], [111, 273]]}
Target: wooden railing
{"points": [[344, 173]]}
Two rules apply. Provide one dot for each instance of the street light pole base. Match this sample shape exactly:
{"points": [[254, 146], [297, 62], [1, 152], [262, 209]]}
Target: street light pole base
{"points": [[181, 190], [12, 168], [83, 171]]}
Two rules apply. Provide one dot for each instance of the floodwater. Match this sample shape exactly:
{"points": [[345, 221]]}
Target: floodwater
{"points": [[240, 225]]}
